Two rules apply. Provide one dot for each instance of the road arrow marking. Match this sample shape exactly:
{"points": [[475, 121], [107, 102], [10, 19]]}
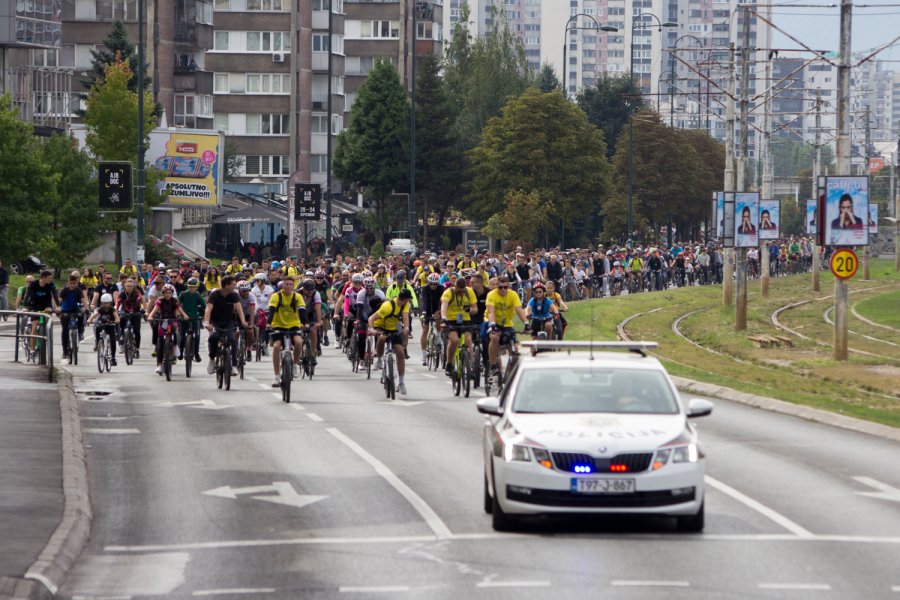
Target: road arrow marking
{"points": [[284, 494], [401, 403], [204, 404], [885, 492]]}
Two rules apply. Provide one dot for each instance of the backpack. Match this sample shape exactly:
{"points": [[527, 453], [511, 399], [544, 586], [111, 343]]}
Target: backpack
{"points": [[293, 300]]}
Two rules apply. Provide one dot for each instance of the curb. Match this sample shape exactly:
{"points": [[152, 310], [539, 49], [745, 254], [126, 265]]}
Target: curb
{"points": [[47, 574], [788, 408]]}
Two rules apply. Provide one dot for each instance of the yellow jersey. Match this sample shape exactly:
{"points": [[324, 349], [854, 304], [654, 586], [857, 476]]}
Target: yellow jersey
{"points": [[286, 307], [390, 313], [233, 269], [131, 271], [458, 304], [292, 271], [504, 306], [89, 282]]}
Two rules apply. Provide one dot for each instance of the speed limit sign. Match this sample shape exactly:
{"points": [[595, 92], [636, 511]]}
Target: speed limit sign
{"points": [[844, 263]]}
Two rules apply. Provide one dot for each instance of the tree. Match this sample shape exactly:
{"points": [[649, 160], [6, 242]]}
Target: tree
{"points": [[24, 178], [111, 119], [547, 80], [793, 217], [373, 152], [542, 144], [526, 214], [440, 163], [609, 103], [71, 226], [234, 161]]}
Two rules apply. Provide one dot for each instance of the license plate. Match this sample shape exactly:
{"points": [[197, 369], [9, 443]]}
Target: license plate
{"points": [[594, 485]]}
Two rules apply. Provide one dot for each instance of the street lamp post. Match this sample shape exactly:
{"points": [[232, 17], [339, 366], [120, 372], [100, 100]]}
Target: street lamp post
{"points": [[672, 50], [660, 25], [597, 26]]}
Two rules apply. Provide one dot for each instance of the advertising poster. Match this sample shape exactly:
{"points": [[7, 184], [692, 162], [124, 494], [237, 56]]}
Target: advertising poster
{"points": [[873, 219], [846, 211], [720, 214], [769, 219], [746, 220], [192, 163], [810, 217]]}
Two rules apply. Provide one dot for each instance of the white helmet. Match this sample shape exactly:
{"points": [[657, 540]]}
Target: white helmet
{"points": [[244, 286], [106, 298], [357, 278], [434, 278]]}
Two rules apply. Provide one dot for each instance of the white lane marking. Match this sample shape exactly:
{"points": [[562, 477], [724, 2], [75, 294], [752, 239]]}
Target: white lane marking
{"points": [[500, 584], [372, 589], [297, 407], [895, 588], [112, 431], [647, 583], [314, 417], [760, 508], [434, 521], [429, 376], [103, 418], [276, 395], [885, 492], [264, 386], [251, 378], [795, 586], [676, 539], [233, 591]]}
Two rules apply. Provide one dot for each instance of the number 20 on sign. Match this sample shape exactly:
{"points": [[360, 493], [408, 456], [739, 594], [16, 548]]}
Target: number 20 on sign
{"points": [[844, 263]]}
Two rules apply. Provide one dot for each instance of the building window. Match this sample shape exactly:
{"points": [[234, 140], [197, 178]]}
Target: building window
{"points": [[44, 58], [266, 165], [268, 5], [380, 29], [424, 30], [318, 124], [220, 122], [318, 163], [190, 107], [268, 83], [221, 41], [266, 124], [223, 4], [221, 84], [268, 41], [320, 42], [120, 10]]}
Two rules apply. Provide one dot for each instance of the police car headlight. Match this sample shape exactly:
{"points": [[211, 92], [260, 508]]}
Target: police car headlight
{"points": [[516, 452], [685, 454]]}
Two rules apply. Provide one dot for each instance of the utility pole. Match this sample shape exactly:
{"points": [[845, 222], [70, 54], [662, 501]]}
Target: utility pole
{"points": [[411, 207], [866, 254], [817, 171], [328, 136], [897, 211], [727, 253], [139, 250], [841, 287], [740, 305], [768, 177]]}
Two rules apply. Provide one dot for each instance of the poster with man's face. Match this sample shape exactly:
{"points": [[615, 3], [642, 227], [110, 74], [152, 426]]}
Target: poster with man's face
{"points": [[811, 217], [720, 214], [873, 219], [769, 219], [746, 220], [846, 211]]}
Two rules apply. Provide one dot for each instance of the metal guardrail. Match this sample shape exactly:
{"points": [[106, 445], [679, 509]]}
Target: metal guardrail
{"points": [[45, 353]]}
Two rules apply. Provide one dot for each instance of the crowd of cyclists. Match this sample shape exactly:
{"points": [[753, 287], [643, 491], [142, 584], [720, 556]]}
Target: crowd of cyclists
{"points": [[469, 297]]}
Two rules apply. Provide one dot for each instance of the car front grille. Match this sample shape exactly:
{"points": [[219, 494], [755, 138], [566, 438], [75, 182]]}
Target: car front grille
{"points": [[572, 500], [633, 463]]}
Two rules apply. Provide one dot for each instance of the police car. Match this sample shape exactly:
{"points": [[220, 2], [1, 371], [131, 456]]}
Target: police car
{"points": [[592, 427]]}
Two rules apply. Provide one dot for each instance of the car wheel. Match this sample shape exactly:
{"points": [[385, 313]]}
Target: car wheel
{"points": [[488, 501], [500, 521], [17, 268], [692, 523]]}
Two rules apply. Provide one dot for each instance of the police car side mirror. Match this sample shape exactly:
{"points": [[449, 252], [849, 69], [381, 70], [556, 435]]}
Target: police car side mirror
{"points": [[489, 405], [698, 407]]}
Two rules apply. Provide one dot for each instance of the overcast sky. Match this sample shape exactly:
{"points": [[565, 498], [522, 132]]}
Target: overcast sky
{"points": [[819, 27]]}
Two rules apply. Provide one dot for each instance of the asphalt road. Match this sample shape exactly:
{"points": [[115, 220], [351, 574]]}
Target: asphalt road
{"points": [[199, 492]]}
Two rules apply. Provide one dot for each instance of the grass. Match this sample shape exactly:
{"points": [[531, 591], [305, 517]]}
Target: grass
{"points": [[882, 309], [17, 281], [865, 386]]}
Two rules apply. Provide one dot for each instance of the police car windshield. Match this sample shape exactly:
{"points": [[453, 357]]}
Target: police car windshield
{"points": [[592, 390]]}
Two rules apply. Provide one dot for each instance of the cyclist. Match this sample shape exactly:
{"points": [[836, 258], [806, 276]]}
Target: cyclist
{"points": [[223, 307], [501, 306], [193, 305], [40, 296], [23, 291], [365, 302], [128, 269], [323, 285], [313, 302], [166, 308], [286, 317], [541, 311], [107, 318], [349, 293], [390, 320], [655, 265], [72, 300], [129, 305], [635, 267], [248, 305], [234, 268], [401, 283], [458, 304], [262, 292], [431, 307], [106, 286]]}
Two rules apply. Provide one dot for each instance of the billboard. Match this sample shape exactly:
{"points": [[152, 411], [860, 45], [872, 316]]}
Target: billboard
{"points": [[720, 214], [746, 219], [810, 217], [307, 201], [114, 180], [873, 219], [192, 163], [769, 219], [846, 211]]}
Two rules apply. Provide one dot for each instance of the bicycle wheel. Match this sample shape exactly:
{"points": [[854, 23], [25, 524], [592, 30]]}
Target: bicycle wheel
{"points": [[456, 374], [167, 358], [286, 376], [100, 351], [369, 358], [129, 346], [464, 372], [188, 353], [242, 355], [106, 354], [476, 366], [226, 368], [308, 368], [73, 345], [354, 355], [389, 375], [258, 344]]}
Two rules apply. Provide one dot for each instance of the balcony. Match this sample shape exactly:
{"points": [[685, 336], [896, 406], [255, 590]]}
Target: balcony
{"points": [[198, 82], [195, 35], [319, 61]]}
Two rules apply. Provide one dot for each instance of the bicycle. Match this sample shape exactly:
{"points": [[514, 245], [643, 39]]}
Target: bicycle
{"points": [[460, 372], [223, 358], [73, 319], [369, 356], [434, 347], [190, 347], [500, 378], [260, 336], [308, 369], [390, 364], [287, 366], [103, 357], [128, 339], [166, 344], [241, 351], [355, 358]]}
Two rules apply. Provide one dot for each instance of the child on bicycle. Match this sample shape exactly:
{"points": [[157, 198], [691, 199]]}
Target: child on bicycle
{"points": [[107, 318], [166, 308]]}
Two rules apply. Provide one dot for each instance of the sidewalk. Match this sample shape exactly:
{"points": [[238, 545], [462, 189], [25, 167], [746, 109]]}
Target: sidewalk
{"points": [[42, 529]]}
